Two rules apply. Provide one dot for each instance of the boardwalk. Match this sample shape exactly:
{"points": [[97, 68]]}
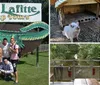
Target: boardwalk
{"points": [[61, 83]]}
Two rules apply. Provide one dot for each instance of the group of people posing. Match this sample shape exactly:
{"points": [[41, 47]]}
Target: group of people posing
{"points": [[9, 59]]}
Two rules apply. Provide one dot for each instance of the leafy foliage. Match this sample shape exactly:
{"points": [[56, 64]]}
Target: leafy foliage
{"points": [[89, 51], [63, 51], [67, 51]]}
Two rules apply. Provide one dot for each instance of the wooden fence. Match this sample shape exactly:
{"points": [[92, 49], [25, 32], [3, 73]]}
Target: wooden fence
{"points": [[70, 69]]}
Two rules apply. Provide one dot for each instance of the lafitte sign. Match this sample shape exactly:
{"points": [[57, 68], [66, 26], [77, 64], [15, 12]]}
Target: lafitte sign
{"points": [[20, 12]]}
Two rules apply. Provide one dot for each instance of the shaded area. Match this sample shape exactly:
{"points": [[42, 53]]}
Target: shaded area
{"points": [[89, 25]]}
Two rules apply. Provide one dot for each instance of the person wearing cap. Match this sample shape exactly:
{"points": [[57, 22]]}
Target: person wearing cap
{"points": [[14, 57], [5, 47]]}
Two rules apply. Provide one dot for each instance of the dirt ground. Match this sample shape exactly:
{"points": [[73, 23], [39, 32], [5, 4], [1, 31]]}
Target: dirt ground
{"points": [[89, 25]]}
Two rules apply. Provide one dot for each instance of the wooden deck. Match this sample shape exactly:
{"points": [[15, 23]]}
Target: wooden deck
{"points": [[86, 82], [61, 83], [78, 82]]}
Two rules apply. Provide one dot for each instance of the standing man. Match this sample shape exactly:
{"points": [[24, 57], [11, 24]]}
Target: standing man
{"points": [[14, 57], [5, 47]]}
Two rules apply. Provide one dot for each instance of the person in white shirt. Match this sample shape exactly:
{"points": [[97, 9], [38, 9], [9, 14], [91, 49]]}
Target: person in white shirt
{"points": [[5, 47]]}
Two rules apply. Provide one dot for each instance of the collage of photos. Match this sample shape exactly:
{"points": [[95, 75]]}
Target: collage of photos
{"points": [[74, 42], [49, 42]]}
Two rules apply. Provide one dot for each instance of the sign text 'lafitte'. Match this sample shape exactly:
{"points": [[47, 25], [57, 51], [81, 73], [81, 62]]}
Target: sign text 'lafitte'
{"points": [[20, 9], [20, 12]]}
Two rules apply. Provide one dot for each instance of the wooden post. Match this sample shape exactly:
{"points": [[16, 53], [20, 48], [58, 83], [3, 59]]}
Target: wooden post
{"points": [[37, 56], [74, 69], [61, 17], [99, 71], [97, 14]]}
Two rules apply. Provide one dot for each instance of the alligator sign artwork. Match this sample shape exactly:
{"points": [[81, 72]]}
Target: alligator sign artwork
{"points": [[20, 12], [25, 37]]}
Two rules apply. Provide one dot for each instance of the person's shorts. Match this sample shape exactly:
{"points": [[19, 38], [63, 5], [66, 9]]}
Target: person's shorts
{"points": [[14, 64]]}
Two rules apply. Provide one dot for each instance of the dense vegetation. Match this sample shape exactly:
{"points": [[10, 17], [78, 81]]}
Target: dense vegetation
{"points": [[68, 51]]}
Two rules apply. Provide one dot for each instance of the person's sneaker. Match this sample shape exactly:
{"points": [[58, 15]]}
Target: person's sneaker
{"points": [[5, 77], [15, 82], [12, 78]]}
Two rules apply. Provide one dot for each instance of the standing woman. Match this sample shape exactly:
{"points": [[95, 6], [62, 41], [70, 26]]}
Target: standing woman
{"points": [[14, 57]]}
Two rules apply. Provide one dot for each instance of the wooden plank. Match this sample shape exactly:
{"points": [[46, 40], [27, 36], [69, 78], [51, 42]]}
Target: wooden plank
{"points": [[75, 2], [98, 1], [60, 4], [98, 10], [86, 82], [94, 8], [80, 3], [74, 6], [52, 2], [61, 17], [51, 75], [80, 82], [73, 9], [92, 82]]}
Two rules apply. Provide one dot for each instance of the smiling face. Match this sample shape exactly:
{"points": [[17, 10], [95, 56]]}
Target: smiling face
{"points": [[4, 42], [5, 61], [12, 40]]}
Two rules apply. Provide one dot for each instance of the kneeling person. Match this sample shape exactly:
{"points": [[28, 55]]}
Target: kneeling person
{"points": [[7, 69]]}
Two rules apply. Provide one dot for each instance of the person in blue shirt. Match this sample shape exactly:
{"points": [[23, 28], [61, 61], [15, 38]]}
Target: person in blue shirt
{"points": [[6, 68]]}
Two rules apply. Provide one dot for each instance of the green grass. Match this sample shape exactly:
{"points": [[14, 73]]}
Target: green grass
{"points": [[29, 74]]}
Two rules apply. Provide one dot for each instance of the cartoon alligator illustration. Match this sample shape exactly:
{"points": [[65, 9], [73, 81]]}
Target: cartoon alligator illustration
{"points": [[25, 37]]}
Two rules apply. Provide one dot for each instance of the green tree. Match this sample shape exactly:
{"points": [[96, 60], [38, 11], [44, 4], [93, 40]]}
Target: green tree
{"points": [[63, 51], [67, 51], [89, 51]]}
